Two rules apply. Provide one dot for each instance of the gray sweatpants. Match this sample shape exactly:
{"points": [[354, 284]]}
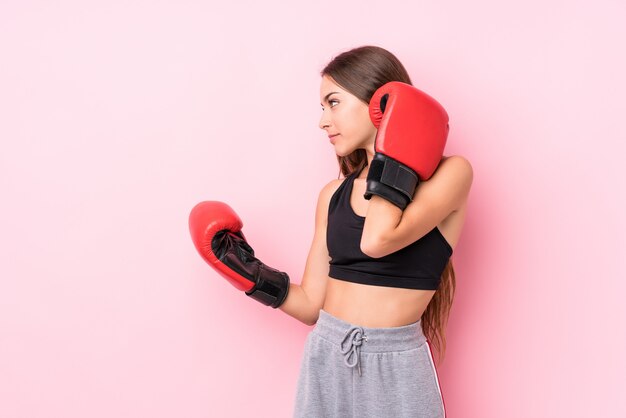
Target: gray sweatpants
{"points": [[353, 371]]}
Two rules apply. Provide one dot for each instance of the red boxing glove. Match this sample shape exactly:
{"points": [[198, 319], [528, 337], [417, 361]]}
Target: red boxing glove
{"points": [[412, 133], [216, 232]]}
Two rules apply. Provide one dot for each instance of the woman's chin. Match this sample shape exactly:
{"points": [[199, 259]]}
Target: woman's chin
{"points": [[342, 152]]}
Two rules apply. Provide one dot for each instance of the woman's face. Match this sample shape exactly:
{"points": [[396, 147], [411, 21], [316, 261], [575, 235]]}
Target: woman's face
{"points": [[347, 117]]}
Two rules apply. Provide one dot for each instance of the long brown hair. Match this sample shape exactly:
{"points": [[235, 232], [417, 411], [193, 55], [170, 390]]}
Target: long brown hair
{"points": [[361, 71]]}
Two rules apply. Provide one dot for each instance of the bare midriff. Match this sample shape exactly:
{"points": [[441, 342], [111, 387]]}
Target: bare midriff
{"points": [[375, 306]]}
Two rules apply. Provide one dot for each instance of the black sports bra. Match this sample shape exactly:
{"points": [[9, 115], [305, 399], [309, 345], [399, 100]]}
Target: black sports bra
{"points": [[416, 266]]}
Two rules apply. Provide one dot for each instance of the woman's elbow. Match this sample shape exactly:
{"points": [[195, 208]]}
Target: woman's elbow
{"points": [[371, 248]]}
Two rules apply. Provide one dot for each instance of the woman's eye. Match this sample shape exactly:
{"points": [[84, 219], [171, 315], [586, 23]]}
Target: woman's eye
{"points": [[331, 101]]}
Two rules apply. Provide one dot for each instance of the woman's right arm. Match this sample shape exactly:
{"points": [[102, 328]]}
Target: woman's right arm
{"points": [[305, 300]]}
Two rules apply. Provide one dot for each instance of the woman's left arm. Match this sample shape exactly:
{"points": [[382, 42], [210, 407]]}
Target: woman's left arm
{"points": [[388, 229]]}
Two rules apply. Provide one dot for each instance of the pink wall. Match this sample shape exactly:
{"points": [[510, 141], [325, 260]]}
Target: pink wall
{"points": [[117, 117]]}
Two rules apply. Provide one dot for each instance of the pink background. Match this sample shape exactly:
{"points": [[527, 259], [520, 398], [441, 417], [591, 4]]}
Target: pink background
{"points": [[117, 117]]}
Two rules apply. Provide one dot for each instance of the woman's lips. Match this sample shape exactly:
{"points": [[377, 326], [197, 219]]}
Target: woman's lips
{"points": [[332, 138]]}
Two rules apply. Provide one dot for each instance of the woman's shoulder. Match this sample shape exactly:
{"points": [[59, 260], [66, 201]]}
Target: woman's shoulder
{"points": [[461, 165], [331, 187], [449, 184], [456, 165], [324, 197], [456, 159]]}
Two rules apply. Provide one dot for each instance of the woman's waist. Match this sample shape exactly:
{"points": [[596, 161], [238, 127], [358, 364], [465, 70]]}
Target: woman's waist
{"points": [[375, 306]]}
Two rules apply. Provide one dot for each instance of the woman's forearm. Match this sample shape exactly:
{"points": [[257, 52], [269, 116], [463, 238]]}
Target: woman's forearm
{"points": [[298, 305]]}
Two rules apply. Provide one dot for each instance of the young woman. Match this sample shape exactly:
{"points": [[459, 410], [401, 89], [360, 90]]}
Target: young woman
{"points": [[379, 282]]}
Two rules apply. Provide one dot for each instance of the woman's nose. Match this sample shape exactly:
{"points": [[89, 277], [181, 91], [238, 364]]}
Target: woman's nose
{"points": [[324, 122]]}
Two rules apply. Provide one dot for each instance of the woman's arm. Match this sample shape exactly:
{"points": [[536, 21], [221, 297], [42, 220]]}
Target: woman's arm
{"points": [[298, 305], [388, 229], [304, 301]]}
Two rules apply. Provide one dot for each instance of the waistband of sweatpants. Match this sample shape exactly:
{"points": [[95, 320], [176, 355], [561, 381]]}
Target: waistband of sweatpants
{"points": [[378, 340]]}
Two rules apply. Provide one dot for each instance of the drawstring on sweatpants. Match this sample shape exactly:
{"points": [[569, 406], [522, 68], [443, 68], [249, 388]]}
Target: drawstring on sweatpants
{"points": [[355, 337]]}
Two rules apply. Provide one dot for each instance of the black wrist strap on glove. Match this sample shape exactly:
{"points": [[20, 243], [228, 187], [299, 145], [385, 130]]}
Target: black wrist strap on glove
{"points": [[271, 286], [391, 180]]}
